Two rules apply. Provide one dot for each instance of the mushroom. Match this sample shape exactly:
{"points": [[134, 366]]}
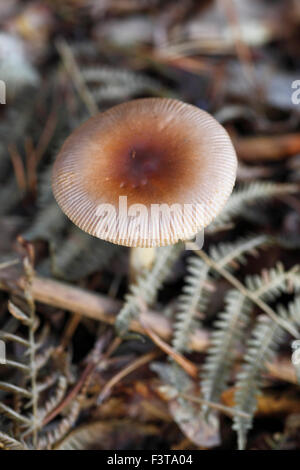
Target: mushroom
{"points": [[145, 173]]}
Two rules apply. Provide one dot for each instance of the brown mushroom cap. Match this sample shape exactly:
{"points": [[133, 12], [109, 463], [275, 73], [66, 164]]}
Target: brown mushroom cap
{"points": [[154, 151]]}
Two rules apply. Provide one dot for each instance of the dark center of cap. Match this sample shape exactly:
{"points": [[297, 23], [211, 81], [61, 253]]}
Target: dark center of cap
{"points": [[141, 164]]}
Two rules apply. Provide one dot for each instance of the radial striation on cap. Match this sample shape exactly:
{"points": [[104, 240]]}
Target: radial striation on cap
{"points": [[146, 173]]}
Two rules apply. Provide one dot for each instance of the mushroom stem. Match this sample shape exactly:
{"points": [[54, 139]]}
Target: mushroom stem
{"points": [[141, 260]]}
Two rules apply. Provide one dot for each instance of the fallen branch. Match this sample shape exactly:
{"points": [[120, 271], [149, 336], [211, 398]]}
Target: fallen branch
{"points": [[96, 306]]}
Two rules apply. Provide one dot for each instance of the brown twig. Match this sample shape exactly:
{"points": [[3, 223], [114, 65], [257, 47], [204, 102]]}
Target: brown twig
{"points": [[96, 306], [130, 368], [74, 72], [187, 365], [18, 165], [216, 406], [70, 329], [46, 134]]}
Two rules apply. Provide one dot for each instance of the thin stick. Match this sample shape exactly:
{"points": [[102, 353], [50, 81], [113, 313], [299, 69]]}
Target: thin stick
{"points": [[187, 365], [70, 329], [216, 406], [18, 165], [73, 70], [130, 368]]}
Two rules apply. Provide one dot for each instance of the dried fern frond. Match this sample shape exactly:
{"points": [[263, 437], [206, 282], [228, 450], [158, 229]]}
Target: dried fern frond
{"points": [[15, 67], [105, 74], [195, 296], [228, 252], [29, 414], [231, 324], [45, 194], [84, 437], [186, 413], [261, 347], [118, 84], [228, 331], [55, 398], [189, 303], [16, 123], [9, 443], [60, 429], [147, 286], [291, 311], [99, 434], [273, 282], [47, 225], [251, 193], [49, 221], [78, 255]]}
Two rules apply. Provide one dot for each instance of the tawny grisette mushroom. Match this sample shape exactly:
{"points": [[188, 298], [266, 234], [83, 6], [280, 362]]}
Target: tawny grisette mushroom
{"points": [[145, 173]]}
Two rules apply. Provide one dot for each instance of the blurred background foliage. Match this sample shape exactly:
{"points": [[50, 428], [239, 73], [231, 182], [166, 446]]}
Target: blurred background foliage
{"points": [[214, 357]]}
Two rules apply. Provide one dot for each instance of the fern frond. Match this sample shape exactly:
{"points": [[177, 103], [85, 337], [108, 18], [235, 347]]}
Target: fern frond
{"points": [[147, 286], [261, 347], [54, 435], [54, 399], [118, 84], [195, 296], [228, 330], [48, 381], [230, 325], [14, 389], [42, 358], [49, 222], [78, 256], [247, 194], [16, 312], [105, 74], [225, 253], [188, 303], [292, 311], [273, 282], [83, 437], [14, 415], [172, 374], [28, 414], [18, 365], [5, 336], [45, 195], [9, 443]]}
